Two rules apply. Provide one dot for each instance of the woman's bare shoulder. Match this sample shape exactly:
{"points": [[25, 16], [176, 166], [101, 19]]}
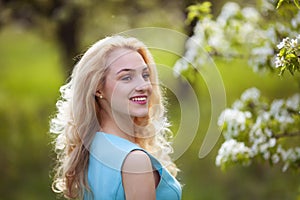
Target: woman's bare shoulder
{"points": [[137, 161]]}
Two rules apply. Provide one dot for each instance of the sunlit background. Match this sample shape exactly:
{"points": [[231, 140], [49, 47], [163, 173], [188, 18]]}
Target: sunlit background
{"points": [[39, 44]]}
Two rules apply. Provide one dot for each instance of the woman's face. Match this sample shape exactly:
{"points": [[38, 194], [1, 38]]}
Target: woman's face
{"points": [[127, 87]]}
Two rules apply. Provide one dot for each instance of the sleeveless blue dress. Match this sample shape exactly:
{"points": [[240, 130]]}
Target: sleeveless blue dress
{"points": [[107, 154]]}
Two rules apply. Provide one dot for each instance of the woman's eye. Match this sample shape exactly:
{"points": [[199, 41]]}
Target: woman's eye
{"points": [[146, 75], [126, 78]]}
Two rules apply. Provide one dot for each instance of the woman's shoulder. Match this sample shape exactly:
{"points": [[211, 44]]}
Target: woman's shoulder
{"points": [[137, 161]]}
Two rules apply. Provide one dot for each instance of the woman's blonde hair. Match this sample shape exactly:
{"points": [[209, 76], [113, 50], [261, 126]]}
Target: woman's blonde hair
{"points": [[76, 122]]}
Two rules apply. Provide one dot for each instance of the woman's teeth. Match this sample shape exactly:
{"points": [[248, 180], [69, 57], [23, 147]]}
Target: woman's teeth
{"points": [[138, 99]]}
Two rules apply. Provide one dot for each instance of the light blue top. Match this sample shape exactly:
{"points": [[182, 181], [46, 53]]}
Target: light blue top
{"points": [[107, 155]]}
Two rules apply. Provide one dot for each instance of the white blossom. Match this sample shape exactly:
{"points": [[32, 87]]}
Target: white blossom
{"points": [[251, 94], [294, 43], [263, 147], [280, 113], [285, 42], [282, 29], [245, 33], [270, 34], [279, 61], [296, 20], [235, 121], [260, 56], [237, 105], [265, 51], [251, 14], [269, 133], [266, 155], [286, 166], [280, 150], [293, 102], [230, 150], [285, 154], [297, 150], [272, 142], [275, 158], [276, 106], [190, 55], [229, 9], [266, 5], [180, 66], [219, 42], [192, 45], [229, 115]]}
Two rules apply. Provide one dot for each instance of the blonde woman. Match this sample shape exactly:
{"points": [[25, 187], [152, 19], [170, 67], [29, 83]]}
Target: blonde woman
{"points": [[111, 127]]}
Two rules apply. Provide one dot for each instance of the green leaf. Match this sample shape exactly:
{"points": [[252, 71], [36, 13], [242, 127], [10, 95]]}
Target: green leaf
{"points": [[282, 69], [205, 7], [291, 69], [279, 3], [192, 8], [297, 3], [200, 11], [282, 52], [291, 55], [191, 15]]}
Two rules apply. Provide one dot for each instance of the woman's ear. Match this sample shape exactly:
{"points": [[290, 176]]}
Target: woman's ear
{"points": [[99, 94]]}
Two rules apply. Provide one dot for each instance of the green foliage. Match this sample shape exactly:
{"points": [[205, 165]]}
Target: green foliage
{"points": [[296, 2], [198, 11], [288, 57]]}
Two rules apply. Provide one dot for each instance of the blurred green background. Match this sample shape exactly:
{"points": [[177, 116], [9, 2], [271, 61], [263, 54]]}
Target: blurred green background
{"points": [[39, 41]]}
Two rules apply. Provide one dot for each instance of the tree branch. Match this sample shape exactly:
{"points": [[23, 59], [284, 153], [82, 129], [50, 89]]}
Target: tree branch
{"points": [[293, 134]]}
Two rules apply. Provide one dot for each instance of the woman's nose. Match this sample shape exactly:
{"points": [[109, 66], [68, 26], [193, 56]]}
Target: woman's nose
{"points": [[143, 86]]}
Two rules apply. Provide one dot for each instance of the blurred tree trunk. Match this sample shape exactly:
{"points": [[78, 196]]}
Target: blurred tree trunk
{"points": [[67, 34], [64, 16]]}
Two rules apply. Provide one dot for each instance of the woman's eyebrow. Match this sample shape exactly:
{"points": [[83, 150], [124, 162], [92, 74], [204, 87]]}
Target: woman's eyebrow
{"points": [[129, 69], [125, 70], [145, 69]]}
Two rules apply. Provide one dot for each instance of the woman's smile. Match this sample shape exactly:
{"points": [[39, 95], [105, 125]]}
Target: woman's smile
{"points": [[142, 100]]}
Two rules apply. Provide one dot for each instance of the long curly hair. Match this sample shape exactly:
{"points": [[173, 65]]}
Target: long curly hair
{"points": [[76, 121]]}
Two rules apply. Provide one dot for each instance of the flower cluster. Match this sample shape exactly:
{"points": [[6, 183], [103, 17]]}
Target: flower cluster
{"points": [[255, 128], [234, 25], [288, 57], [234, 29], [234, 151], [235, 121]]}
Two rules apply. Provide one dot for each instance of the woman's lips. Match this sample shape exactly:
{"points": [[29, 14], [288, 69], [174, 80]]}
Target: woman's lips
{"points": [[139, 99]]}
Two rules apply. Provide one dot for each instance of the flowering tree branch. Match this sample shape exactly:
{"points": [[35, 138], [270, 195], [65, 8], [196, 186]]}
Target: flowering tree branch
{"points": [[249, 132], [270, 41], [237, 27]]}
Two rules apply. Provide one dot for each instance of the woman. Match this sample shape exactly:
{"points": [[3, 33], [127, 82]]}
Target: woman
{"points": [[111, 127]]}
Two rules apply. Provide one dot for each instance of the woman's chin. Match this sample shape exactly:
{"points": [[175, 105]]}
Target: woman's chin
{"points": [[140, 114]]}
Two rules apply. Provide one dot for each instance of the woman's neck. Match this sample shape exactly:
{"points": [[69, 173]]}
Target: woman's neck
{"points": [[121, 126]]}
